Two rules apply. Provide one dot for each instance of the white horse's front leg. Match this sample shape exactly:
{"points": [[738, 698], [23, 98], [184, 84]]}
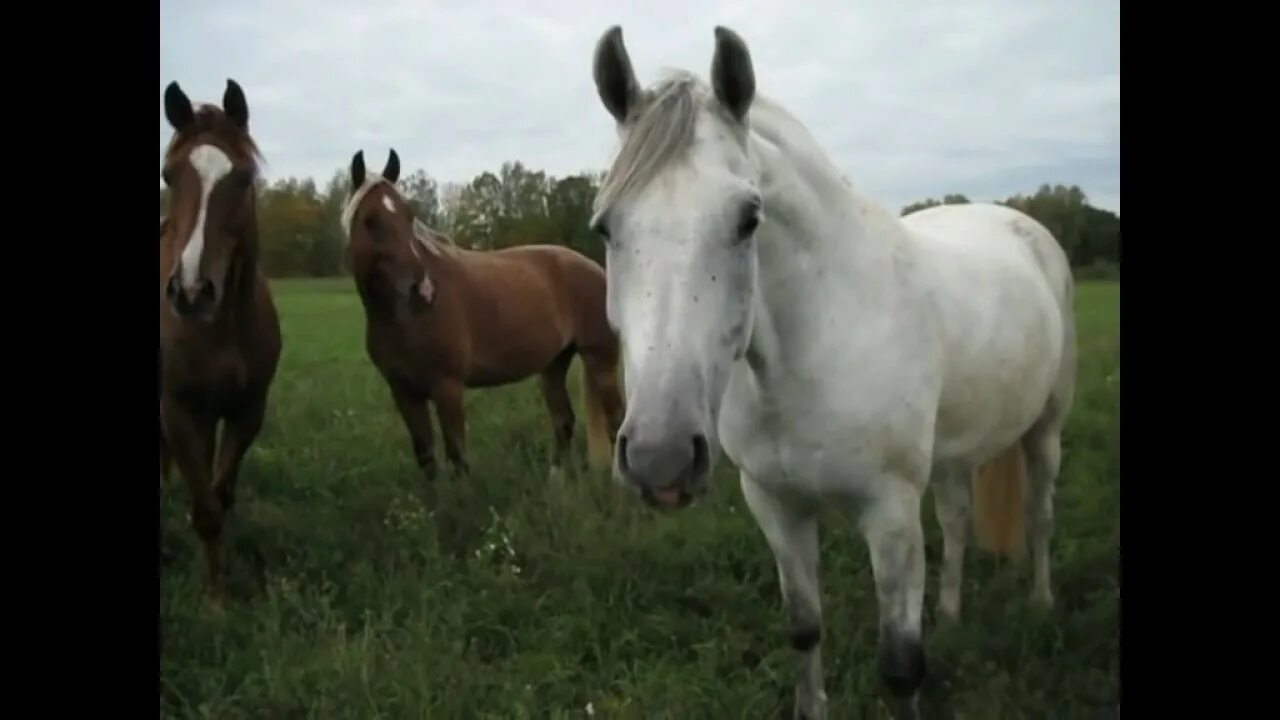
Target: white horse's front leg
{"points": [[890, 522], [792, 534]]}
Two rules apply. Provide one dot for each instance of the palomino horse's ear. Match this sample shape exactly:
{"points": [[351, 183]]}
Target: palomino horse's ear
{"points": [[357, 170], [615, 79], [234, 104], [177, 107], [392, 171], [732, 74]]}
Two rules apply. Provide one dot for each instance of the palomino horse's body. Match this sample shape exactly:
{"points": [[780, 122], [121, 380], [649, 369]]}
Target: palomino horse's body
{"points": [[219, 332], [440, 319], [841, 356]]}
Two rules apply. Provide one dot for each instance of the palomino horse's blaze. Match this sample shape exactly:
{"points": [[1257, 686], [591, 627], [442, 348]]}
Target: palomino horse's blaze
{"points": [[219, 333], [440, 319], [840, 355]]}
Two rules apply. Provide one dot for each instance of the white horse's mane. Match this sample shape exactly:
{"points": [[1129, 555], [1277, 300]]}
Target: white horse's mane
{"points": [[664, 128], [660, 133]]}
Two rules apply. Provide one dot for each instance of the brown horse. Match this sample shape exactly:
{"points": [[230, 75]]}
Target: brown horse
{"points": [[219, 332], [440, 319]]}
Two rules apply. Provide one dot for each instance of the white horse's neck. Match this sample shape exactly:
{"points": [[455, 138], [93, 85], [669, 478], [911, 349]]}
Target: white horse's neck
{"points": [[823, 250]]}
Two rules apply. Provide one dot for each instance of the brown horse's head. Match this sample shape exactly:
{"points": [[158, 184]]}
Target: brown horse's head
{"points": [[388, 245], [211, 168]]}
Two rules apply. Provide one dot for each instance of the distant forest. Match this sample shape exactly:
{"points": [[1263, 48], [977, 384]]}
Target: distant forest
{"points": [[301, 238]]}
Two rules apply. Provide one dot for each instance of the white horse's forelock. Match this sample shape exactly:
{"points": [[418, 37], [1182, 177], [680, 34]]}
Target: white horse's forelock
{"points": [[660, 134]]}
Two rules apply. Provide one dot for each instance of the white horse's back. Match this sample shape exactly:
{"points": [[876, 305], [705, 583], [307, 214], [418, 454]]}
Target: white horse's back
{"points": [[993, 231], [1003, 311]]}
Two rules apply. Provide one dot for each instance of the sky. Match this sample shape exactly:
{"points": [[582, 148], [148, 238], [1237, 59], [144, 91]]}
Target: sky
{"points": [[911, 100]]}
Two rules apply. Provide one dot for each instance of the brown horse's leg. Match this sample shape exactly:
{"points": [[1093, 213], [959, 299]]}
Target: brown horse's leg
{"points": [[417, 420], [556, 394], [238, 433], [604, 372], [191, 442], [447, 396]]}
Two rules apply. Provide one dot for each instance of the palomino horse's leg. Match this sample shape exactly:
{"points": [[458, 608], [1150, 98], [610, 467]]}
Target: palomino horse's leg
{"points": [[605, 375], [556, 395], [417, 420], [447, 395], [953, 506], [238, 433], [792, 534], [1043, 447], [191, 441], [890, 523]]}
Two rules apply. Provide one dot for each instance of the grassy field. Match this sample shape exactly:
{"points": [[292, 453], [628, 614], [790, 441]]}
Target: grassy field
{"points": [[514, 596]]}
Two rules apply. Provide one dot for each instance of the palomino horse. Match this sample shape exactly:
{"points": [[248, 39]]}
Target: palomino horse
{"points": [[219, 333], [440, 319], [841, 356]]}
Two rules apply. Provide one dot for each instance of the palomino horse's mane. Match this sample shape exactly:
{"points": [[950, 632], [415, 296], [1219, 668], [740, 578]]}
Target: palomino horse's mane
{"points": [[209, 119], [429, 237], [660, 133]]}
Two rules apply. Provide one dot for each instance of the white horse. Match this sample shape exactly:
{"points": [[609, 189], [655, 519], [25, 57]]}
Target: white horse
{"points": [[840, 355]]}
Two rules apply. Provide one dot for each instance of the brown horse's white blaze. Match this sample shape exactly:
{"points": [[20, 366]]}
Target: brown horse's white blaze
{"points": [[211, 165]]}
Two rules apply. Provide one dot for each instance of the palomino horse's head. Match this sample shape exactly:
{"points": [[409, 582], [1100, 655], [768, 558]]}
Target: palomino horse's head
{"points": [[678, 212], [210, 167], [387, 244]]}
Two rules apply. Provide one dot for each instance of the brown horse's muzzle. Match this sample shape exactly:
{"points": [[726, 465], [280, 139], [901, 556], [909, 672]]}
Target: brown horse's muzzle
{"points": [[192, 301]]}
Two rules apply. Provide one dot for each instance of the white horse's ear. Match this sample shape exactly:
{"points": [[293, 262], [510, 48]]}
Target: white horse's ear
{"points": [[615, 79], [732, 74]]}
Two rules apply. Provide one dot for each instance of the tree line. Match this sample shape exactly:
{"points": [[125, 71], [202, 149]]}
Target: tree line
{"points": [[300, 235]]}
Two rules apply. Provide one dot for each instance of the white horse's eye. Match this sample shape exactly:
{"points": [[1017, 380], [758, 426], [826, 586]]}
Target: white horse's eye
{"points": [[750, 220]]}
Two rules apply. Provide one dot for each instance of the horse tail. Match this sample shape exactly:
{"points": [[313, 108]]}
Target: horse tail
{"points": [[999, 489], [598, 380]]}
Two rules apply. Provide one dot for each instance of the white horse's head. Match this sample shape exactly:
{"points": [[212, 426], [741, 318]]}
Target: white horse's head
{"points": [[678, 212]]}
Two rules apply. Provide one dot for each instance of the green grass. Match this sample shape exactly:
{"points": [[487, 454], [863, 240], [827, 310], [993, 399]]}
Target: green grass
{"points": [[534, 598]]}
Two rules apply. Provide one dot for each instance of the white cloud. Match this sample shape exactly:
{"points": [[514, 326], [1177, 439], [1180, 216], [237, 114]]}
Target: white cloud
{"points": [[912, 100]]}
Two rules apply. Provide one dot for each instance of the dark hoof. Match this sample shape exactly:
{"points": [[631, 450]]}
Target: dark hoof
{"points": [[806, 637], [227, 498], [902, 664]]}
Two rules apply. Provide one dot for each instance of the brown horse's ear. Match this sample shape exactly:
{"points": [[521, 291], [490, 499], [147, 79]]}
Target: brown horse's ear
{"points": [[357, 170], [615, 79], [392, 171], [234, 104], [177, 107], [732, 74]]}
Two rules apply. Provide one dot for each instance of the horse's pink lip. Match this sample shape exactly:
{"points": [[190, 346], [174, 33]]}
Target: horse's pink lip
{"points": [[670, 497]]}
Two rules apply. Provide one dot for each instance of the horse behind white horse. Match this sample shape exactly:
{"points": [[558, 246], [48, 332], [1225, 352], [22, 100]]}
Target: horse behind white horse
{"points": [[840, 355]]}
